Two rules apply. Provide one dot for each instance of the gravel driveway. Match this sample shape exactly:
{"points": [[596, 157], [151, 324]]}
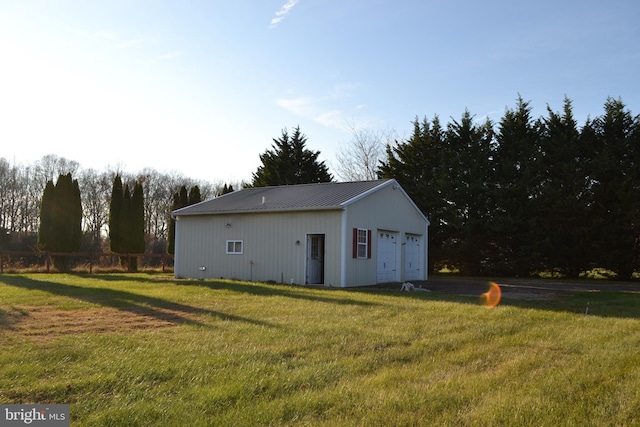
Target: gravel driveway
{"points": [[518, 288]]}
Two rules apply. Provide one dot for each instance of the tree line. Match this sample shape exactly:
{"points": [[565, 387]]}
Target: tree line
{"points": [[110, 211], [521, 196], [528, 195], [22, 187]]}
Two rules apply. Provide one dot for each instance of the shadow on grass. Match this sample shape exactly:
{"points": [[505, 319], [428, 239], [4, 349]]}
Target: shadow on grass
{"points": [[8, 318], [258, 288], [249, 288], [134, 277], [141, 305], [619, 304], [594, 298]]}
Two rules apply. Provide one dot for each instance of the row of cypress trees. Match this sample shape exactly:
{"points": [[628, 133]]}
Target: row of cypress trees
{"points": [[534, 195], [60, 228], [182, 199], [126, 221]]}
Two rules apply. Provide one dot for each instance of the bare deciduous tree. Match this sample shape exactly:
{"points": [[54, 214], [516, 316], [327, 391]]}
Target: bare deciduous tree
{"points": [[95, 188], [51, 166], [18, 209], [359, 158]]}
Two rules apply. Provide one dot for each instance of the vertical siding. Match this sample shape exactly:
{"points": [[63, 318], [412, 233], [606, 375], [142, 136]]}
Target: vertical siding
{"points": [[274, 246], [275, 243], [387, 209]]}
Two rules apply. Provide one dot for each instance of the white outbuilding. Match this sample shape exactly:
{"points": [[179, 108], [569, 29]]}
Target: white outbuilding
{"points": [[338, 234]]}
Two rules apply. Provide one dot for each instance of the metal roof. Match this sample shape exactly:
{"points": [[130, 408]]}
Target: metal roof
{"points": [[323, 196]]}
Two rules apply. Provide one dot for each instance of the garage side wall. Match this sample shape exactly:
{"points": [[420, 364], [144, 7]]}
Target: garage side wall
{"points": [[388, 210], [273, 246]]}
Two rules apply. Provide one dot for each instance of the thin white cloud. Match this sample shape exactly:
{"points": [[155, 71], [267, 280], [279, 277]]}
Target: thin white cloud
{"points": [[331, 119], [483, 118], [323, 110], [301, 106], [344, 90], [283, 12], [312, 108]]}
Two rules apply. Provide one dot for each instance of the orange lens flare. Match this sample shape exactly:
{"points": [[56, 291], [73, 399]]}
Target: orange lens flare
{"points": [[491, 298]]}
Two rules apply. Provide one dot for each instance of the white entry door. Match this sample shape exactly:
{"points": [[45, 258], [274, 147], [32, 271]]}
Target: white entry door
{"points": [[315, 259], [412, 264], [387, 251]]}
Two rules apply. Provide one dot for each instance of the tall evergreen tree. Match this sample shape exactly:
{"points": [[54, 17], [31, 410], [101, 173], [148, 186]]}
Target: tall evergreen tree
{"points": [[46, 230], [514, 179], [615, 188], [125, 231], [467, 165], [137, 220], [417, 165], [136, 239], [115, 207], [181, 199], [61, 219], [290, 162], [194, 195], [126, 222], [560, 200]]}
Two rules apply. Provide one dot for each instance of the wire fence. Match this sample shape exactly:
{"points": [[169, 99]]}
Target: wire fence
{"points": [[91, 262]]}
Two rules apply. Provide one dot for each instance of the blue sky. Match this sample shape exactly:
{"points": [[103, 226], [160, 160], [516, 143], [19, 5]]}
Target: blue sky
{"points": [[202, 87]]}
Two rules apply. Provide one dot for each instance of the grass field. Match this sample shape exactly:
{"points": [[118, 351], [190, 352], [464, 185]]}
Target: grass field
{"points": [[143, 350]]}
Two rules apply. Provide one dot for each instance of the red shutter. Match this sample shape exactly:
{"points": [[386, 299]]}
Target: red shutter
{"points": [[355, 243], [368, 243]]}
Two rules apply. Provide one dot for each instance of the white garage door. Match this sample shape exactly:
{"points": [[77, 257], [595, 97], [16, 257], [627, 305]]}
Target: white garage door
{"points": [[412, 264], [387, 245]]}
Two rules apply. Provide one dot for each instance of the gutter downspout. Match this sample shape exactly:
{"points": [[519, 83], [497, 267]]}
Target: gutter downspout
{"points": [[426, 252], [343, 250], [175, 248]]}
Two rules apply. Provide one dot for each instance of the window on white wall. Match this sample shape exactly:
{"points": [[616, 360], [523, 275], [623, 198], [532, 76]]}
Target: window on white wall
{"points": [[363, 243], [234, 247]]}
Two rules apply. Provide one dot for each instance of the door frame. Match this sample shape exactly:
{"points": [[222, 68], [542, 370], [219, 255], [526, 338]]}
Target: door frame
{"points": [[419, 255], [395, 236], [309, 254]]}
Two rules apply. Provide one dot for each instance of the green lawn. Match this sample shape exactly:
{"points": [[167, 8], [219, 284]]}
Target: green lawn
{"points": [[150, 351]]}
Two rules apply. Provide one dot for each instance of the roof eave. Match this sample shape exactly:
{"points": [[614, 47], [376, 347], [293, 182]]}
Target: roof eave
{"points": [[366, 193], [254, 211]]}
